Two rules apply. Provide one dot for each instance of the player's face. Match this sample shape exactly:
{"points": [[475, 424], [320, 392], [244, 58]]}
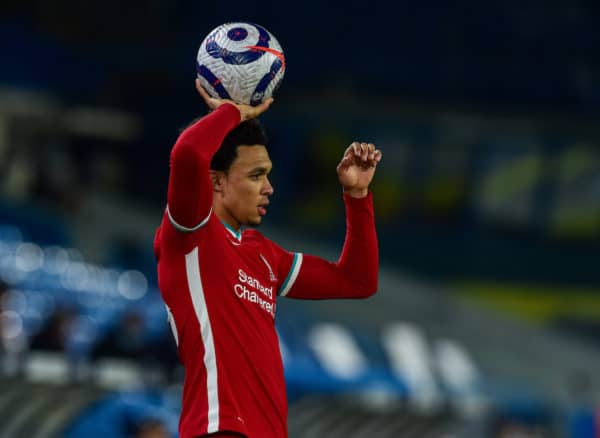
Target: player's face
{"points": [[246, 187]]}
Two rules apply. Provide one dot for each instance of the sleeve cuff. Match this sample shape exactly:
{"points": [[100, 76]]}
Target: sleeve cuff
{"points": [[358, 201], [292, 275]]}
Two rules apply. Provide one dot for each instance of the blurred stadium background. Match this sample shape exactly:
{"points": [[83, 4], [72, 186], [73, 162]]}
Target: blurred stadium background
{"points": [[487, 323]]}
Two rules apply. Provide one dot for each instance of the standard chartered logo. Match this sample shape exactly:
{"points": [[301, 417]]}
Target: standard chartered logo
{"points": [[249, 288]]}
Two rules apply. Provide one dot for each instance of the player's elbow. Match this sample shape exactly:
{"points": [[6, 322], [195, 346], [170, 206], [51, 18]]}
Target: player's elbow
{"points": [[370, 292], [186, 160], [369, 289], [182, 151]]}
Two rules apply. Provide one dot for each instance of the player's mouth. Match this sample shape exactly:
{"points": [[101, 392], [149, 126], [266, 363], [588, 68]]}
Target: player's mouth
{"points": [[262, 208]]}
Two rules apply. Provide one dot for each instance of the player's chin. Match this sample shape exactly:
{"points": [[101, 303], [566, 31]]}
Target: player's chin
{"points": [[254, 221]]}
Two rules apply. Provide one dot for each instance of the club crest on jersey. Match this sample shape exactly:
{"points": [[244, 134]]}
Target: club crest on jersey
{"points": [[271, 274]]}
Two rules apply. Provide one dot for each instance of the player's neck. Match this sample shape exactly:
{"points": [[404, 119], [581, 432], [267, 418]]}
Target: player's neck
{"points": [[227, 219]]}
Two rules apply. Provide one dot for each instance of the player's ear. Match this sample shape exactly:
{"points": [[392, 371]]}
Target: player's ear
{"points": [[216, 178]]}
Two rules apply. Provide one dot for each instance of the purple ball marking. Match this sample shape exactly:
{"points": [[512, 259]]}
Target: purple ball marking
{"points": [[237, 58], [237, 34]]}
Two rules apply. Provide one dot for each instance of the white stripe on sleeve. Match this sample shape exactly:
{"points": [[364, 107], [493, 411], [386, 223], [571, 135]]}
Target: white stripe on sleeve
{"points": [[171, 320], [183, 229], [192, 267]]}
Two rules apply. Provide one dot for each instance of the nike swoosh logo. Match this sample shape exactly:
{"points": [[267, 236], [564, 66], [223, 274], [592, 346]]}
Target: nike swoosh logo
{"points": [[277, 53], [233, 242]]}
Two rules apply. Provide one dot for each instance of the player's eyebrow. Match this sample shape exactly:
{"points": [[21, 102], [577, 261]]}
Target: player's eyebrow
{"points": [[259, 170]]}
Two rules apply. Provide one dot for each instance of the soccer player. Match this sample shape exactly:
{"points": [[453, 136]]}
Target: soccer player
{"points": [[220, 283]]}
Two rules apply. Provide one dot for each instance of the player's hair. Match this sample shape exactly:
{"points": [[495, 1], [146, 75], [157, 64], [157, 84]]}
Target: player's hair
{"points": [[250, 132]]}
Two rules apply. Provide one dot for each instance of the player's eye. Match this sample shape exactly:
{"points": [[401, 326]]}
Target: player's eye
{"points": [[255, 177]]}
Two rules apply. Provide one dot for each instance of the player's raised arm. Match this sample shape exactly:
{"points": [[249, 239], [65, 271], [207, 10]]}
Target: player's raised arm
{"points": [[356, 272], [189, 197]]}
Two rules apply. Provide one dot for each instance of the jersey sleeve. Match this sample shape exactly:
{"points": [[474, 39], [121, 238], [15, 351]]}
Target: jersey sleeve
{"points": [[189, 196], [355, 274], [287, 266]]}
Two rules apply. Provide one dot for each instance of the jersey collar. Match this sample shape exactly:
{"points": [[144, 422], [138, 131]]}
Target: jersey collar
{"points": [[234, 233]]}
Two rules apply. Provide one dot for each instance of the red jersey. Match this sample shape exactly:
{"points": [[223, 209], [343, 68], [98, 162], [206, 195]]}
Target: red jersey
{"points": [[220, 288]]}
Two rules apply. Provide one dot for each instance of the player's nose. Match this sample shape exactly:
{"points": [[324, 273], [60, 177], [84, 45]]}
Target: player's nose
{"points": [[268, 188]]}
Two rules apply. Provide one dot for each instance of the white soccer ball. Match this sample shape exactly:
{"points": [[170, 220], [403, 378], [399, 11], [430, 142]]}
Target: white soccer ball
{"points": [[242, 62]]}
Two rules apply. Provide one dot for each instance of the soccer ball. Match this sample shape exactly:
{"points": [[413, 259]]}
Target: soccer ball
{"points": [[242, 62]]}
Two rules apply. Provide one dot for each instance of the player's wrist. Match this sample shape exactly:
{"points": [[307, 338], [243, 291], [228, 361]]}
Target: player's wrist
{"points": [[232, 108], [356, 192]]}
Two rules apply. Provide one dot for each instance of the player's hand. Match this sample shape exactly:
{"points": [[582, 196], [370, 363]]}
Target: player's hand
{"points": [[246, 111], [357, 168]]}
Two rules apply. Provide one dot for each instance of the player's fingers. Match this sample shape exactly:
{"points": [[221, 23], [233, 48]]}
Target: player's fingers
{"points": [[374, 159], [259, 109], [198, 84], [356, 148], [370, 148], [202, 92], [348, 150], [267, 103], [364, 151], [344, 163]]}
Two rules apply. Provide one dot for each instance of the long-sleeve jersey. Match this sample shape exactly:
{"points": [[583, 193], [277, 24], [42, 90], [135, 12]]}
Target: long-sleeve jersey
{"points": [[220, 288]]}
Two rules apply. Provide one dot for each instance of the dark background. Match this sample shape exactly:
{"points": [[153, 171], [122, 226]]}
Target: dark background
{"points": [[487, 115]]}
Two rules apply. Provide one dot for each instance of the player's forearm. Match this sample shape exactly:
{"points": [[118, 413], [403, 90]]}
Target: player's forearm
{"points": [[360, 256], [190, 194], [355, 274], [203, 138]]}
